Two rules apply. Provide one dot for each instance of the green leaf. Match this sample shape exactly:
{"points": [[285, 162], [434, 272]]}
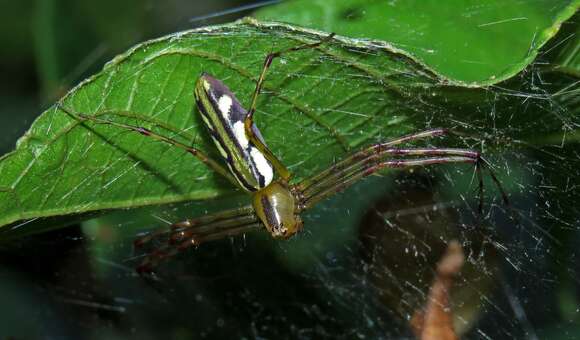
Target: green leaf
{"points": [[467, 41], [335, 99], [317, 106]]}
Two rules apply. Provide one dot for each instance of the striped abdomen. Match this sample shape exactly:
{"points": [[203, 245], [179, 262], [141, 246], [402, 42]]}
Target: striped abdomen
{"points": [[224, 117]]}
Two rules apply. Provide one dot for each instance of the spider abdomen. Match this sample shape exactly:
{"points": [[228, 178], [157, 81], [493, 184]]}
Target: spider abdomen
{"points": [[224, 117]]}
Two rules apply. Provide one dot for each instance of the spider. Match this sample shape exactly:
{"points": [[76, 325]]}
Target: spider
{"points": [[276, 202]]}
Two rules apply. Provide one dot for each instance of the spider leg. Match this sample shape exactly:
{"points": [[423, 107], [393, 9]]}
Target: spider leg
{"points": [[249, 120], [182, 235], [163, 253], [199, 224], [494, 178], [372, 159], [330, 188], [365, 153], [268, 61], [480, 187], [179, 234], [81, 117], [357, 165]]}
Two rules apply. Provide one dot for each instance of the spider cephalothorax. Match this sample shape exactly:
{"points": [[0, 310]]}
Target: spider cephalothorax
{"points": [[277, 208]]}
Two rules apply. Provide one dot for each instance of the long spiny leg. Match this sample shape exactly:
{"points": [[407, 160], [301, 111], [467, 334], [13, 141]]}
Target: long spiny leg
{"points": [[484, 163], [365, 153], [148, 133], [249, 120], [330, 189], [169, 250], [377, 156], [480, 187], [182, 235], [197, 225], [268, 61], [356, 168]]}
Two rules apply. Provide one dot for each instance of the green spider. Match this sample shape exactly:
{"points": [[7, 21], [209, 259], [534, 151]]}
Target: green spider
{"points": [[276, 202]]}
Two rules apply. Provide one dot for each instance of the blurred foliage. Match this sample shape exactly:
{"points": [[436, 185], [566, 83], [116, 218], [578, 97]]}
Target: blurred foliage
{"points": [[467, 41], [50, 45]]}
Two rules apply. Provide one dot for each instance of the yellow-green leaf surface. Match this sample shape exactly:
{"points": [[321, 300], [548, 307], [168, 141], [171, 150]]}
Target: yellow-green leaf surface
{"points": [[473, 42], [317, 105]]}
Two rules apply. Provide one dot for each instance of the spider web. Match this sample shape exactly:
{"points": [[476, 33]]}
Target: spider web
{"points": [[367, 260]]}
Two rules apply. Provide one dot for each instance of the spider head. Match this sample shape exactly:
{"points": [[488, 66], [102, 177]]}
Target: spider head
{"points": [[276, 208]]}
